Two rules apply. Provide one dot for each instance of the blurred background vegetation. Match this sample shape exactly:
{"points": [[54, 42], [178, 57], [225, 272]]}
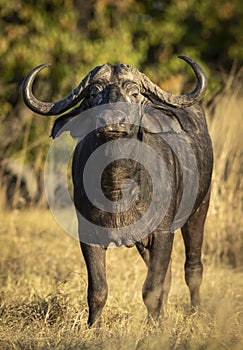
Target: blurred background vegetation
{"points": [[76, 36]]}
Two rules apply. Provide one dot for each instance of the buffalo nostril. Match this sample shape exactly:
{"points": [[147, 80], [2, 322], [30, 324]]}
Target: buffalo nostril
{"points": [[112, 117], [102, 117], [106, 117]]}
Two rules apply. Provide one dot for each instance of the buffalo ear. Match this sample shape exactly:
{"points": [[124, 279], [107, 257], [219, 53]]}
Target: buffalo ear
{"points": [[78, 125], [156, 121], [59, 126]]}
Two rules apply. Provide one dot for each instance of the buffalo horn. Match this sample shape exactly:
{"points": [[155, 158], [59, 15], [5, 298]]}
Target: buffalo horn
{"points": [[50, 108], [181, 100]]}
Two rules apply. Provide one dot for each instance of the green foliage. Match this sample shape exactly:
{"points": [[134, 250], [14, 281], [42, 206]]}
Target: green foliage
{"points": [[78, 35]]}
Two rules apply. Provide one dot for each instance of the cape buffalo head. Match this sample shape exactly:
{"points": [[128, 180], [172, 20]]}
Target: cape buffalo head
{"points": [[109, 84]]}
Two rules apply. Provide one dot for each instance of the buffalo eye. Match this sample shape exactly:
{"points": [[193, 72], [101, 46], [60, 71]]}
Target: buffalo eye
{"points": [[95, 90], [133, 90], [135, 94]]}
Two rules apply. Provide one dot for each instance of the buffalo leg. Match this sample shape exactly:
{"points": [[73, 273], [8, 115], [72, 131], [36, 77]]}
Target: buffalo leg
{"points": [[156, 285], [167, 283], [95, 257], [192, 233], [143, 251]]}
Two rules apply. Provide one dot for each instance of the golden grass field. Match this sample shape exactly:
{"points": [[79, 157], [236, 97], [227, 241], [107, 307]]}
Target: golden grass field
{"points": [[43, 276]]}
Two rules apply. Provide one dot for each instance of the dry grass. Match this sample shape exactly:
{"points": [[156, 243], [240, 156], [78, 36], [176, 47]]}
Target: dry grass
{"points": [[43, 296], [225, 219], [43, 277]]}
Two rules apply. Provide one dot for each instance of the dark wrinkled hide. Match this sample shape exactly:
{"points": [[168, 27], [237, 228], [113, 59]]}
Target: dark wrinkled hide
{"points": [[121, 83]]}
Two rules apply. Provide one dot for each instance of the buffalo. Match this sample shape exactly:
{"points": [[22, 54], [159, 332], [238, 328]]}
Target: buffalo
{"points": [[135, 116]]}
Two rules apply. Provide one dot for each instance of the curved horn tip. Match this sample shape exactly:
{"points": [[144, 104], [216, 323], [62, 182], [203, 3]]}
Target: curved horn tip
{"points": [[27, 93], [45, 64], [196, 67], [32, 74], [185, 58], [40, 67]]}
